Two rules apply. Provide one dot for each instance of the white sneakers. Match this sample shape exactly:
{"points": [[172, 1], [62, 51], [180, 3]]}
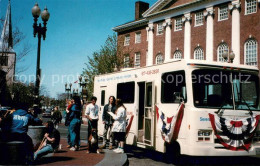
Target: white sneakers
{"points": [[73, 149], [119, 150]]}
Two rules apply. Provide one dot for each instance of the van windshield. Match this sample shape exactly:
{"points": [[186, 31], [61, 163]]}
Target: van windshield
{"points": [[225, 89]]}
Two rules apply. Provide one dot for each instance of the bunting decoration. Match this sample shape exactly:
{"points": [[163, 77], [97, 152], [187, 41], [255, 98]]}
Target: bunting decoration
{"points": [[170, 126], [234, 135], [129, 121]]}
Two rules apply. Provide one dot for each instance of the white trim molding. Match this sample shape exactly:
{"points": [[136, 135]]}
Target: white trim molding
{"points": [[187, 35], [149, 60], [235, 47], [167, 25], [209, 14]]}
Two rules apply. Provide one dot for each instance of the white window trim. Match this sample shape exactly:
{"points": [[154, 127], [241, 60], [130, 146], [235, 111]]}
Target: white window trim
{"points": [[128, 64], [125, 44], [194, 54], [196, 25], [157, 33], [175, 53], [246, 8], [136, 37], [219, 13], [256, 53], [218, 50], [176, 24], [138, 53], [157, 56]]}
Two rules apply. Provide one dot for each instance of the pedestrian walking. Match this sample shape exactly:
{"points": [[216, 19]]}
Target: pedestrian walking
{"points": [[50, 141], [75, 123], [56, 117], [108, 122], [92, 116], [119, 126], [67, 121]]}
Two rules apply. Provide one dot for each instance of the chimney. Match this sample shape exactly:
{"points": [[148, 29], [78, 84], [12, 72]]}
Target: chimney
{"points": [[140, 8]]}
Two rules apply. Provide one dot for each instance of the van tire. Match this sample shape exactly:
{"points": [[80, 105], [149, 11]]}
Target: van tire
{"points": [[173, 154]]}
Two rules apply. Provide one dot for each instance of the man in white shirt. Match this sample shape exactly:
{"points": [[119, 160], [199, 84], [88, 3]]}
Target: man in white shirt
{"points": [[92, 116]]}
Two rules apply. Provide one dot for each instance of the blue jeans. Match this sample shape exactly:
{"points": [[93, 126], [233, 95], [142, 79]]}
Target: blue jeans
{"points": [[45, 150], [68, 136], [74, 132]]}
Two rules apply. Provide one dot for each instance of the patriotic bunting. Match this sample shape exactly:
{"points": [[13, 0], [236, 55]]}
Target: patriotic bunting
{"points": [[169, 126], [129, 121], [234, 134]]}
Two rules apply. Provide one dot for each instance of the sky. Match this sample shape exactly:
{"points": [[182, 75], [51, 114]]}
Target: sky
{"points": [[75, 30]]}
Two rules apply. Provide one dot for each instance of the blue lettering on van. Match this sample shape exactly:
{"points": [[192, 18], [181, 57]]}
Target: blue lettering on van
{"points": [[204, 119]]}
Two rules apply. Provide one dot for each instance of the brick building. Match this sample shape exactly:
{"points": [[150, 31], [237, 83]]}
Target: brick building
{"points": [[191, 29]]}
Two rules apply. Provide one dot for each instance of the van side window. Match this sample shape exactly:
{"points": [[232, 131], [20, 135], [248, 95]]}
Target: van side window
{"points": [[126, 92], [103, 93], [173, 87]]}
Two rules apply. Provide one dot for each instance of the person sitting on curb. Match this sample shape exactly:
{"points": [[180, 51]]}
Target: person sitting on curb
{"points": [[50, 141]]}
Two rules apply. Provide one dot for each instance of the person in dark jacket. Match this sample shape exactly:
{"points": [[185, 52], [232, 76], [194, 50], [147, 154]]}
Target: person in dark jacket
{"points": [[108, 121], [75, 123], [18, 127]]}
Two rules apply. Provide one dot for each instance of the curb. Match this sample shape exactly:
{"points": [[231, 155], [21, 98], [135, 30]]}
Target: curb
{"points": [[113, 159]]}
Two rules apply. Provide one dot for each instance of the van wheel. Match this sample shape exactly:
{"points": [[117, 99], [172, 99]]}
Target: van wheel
{"points": [[172, 154]]}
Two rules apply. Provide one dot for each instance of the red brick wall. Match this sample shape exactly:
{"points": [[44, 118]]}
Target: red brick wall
{"points": [[177, 39], [134, 47], [198, 36], [222, 31], [158, 43], [249, 25]]}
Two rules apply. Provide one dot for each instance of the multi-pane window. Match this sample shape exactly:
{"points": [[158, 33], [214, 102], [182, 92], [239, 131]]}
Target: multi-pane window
{"points": [[223, 13], [177, 55], [159, 28], [3, 60], [138, 37], [126, 61], [159, 59], [221, 49], [137, 59], [251, 6], [199, 18], [127, 40], [251, 52], [178, 24], [198, 53]]}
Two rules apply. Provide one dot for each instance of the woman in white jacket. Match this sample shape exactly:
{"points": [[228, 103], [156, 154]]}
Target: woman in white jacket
{"points": [[119, 126]]}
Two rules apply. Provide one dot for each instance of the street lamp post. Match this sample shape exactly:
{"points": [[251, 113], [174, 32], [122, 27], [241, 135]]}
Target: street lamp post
{"points": [[40, 32], [228, 57], [83, 85], [68, 89]]}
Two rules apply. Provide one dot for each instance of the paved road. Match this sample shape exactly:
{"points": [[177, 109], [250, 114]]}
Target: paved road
{"points": [[144, 157]]}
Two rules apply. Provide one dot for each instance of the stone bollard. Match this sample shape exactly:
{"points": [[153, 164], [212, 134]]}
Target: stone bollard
{"points": [[37, 134], [12, 153]]}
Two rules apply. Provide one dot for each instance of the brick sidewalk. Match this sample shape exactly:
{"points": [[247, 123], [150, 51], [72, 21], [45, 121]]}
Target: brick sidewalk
{"points": [[67, 157]]}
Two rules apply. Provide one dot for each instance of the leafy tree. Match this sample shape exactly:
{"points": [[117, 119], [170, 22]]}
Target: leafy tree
{"points": [[109, 58]]}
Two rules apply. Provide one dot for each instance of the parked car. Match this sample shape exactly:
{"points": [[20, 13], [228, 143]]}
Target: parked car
{"points": [[3, 110], [47, 113]]}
